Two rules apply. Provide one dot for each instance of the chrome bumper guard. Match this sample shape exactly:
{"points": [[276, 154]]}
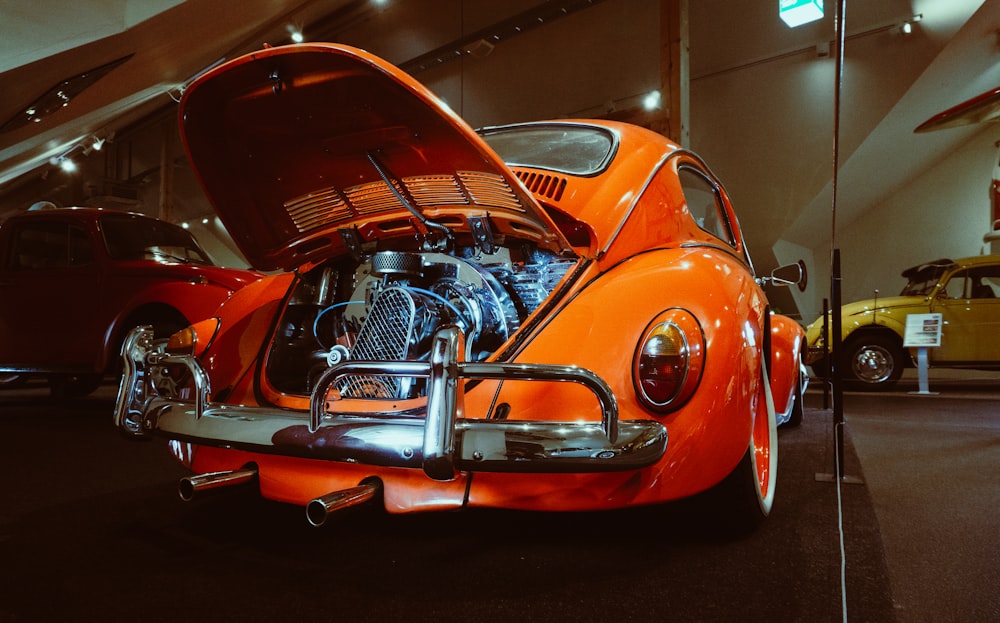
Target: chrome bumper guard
{"points": [[441, 442]]}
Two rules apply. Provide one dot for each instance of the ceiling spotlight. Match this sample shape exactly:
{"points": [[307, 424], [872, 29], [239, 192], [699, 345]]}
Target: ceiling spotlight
{"points": [[651, 101], [295, 33], [67, 165], [97, 143], [906, 27]]}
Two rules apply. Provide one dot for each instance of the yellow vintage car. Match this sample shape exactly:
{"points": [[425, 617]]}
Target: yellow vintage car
{"points": [[966, 292]]}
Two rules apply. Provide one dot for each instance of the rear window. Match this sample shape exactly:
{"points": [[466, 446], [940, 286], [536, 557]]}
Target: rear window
{"points": [[570, 149]]}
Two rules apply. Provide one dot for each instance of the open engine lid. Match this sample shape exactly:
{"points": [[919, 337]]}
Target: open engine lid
{"points": [[304, 150]]}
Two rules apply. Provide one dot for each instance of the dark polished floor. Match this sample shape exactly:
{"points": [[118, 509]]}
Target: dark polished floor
{"points": [[931, 463], [91, 529]]}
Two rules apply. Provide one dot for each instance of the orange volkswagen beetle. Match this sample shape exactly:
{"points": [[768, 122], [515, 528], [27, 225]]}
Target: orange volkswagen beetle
{"points": [[544, 316]]}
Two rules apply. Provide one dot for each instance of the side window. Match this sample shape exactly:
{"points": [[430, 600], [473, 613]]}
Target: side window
{"points": [[705, 204], [985, 282], [42, 246], [955, 288]]}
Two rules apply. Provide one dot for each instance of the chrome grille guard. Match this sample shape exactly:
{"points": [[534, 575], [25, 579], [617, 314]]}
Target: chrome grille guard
{"points": [[440, 443]]}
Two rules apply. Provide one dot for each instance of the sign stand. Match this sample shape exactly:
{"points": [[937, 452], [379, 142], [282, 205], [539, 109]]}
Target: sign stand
{"points": [[922, 331], [922, 372]]}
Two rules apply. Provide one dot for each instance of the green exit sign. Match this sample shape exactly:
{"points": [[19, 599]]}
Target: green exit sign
{"points": [[798, 12]]}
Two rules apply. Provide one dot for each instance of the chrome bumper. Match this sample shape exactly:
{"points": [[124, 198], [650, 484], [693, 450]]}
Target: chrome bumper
{"points": [[436, 440]]}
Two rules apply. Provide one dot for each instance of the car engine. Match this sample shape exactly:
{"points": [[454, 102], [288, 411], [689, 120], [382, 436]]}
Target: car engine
{"points": [[387, 305]]}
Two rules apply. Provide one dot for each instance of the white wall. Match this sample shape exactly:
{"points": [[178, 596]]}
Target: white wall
{"points": [[941, 212]]}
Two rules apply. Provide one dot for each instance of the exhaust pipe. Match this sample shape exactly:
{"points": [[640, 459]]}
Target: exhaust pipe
{"points": [[190, 486], [319, 509]]}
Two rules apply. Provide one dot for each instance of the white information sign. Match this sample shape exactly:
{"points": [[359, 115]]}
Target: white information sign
{"points": [[922, 331]]}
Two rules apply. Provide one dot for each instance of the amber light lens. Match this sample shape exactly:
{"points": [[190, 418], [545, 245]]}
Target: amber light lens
{"points": [[668, 363], [194, 339]]}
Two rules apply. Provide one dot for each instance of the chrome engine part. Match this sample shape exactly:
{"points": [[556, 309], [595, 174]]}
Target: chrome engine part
{"points": [[388, 306]]}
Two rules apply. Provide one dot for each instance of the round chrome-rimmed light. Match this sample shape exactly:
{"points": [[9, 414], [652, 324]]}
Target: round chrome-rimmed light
{"points": [[669, 361]]}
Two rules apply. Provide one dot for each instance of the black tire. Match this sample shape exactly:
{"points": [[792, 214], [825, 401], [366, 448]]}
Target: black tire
{"points": [[872, 361], [732, 508]]}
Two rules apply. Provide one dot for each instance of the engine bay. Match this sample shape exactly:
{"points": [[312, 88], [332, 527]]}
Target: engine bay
{"points": [[386, 306]]}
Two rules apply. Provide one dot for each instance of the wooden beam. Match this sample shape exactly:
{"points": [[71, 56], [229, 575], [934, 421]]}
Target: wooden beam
{"points": [[674, 72]]}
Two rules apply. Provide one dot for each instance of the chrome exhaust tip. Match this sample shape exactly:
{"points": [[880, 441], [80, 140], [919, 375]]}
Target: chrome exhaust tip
{"points": [[318, 510], [190, 486]]}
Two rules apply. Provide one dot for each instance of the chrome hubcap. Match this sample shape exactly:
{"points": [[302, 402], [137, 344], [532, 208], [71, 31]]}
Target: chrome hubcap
{"points": [[872, 364]]}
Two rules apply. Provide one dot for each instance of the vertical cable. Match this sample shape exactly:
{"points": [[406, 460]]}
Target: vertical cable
{"points": [[838, 79], [838, 393]]}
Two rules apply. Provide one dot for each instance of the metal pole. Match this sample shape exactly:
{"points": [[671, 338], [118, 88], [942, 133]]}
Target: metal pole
{"points": [[835, 355], [835, 360], [828, 359]]}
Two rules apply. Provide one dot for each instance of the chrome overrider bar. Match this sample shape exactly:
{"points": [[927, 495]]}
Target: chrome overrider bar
{"points": [[437, 440]]}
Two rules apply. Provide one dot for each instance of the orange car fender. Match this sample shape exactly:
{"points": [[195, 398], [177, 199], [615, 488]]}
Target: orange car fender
{"points": [[787, 338], [600, 329], [245, 323]]}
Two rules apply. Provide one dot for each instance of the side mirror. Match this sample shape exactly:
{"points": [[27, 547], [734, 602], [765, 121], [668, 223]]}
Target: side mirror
{"points": [[788, 275]]}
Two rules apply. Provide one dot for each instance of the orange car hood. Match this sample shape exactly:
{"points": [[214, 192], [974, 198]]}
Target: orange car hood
{"points": [[293, 146]]}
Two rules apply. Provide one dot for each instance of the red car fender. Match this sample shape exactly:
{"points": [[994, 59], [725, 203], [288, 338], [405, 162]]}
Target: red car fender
{"points": [[245, 324]]}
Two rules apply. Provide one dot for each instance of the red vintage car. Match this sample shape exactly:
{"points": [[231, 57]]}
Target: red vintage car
{"points": [[545, 316], [74, 281]]}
